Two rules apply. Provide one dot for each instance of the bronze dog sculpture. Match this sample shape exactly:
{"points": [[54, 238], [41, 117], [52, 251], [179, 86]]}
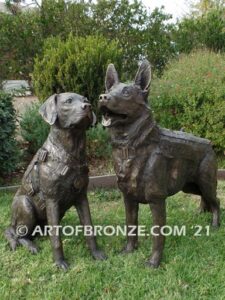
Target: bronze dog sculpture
{"points": [[152, 163], [57, 177]]}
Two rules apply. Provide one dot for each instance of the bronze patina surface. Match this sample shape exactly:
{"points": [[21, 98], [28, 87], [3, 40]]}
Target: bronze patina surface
{"points": [[57, 177], [152, 163]]}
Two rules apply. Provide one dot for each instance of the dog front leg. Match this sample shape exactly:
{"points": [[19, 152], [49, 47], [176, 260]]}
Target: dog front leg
{"points": [[158, 209], [83, 210], [52, 210], [131, 210]]}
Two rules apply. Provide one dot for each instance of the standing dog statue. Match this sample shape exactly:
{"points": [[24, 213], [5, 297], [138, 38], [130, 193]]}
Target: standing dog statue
{"points": [[152, 163], [57, 177]]}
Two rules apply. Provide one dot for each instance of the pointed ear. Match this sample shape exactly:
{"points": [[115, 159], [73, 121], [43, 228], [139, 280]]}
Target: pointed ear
{"points": [[143, 76], [48, 110], [111, 77]]}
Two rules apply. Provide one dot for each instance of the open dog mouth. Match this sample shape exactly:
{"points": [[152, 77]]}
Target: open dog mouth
{"points": [[108, 116]]}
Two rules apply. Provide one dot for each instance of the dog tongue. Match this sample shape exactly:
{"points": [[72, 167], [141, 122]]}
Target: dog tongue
{"points": [[106, 122]]}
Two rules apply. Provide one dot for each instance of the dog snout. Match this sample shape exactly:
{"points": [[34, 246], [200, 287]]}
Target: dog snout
{"points": [[104, 97], [86, 106]]}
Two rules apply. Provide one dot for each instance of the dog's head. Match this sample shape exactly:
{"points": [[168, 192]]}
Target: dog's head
{"points": [[124, 103], [69, 110]]}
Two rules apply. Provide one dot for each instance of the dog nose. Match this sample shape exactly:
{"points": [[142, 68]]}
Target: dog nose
{"points": [[86, 106], [104, 97]]}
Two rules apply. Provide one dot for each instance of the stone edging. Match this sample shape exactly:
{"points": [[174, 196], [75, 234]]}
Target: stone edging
{"points": [[104, 181]]}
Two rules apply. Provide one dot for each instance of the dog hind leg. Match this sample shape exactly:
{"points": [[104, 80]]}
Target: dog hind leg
{"points": [[27, 243], [211, 204], [23, 221], [204, 206], [208, 186], [11, 237]]}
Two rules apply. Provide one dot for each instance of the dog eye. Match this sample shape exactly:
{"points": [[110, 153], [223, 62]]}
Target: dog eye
{"points": [[69, 100], [86, 100]]}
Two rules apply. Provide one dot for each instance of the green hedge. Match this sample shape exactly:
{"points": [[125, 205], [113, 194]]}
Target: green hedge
{"points": [[191, 96], [9, 153], [98, 143], [34, 129], [77, 65]]}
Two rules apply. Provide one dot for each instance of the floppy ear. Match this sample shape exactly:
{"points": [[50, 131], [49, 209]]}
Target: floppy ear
{"points": [[143, 76], [111, 77], [48, 110]]}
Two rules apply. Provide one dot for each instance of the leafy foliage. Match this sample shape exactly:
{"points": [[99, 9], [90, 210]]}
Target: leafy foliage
{"points": [[202, 7], [77, 65], [20, 41], [191, 95], [98, 143], [8, 146], [34, 129], [202, 31], [139, 32]]}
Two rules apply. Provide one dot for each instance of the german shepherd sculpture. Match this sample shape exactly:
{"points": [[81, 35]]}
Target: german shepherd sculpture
{"points": [[152, 163], [56, 179]]}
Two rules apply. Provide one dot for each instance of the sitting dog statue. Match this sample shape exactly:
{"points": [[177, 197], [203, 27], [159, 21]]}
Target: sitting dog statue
{"points": [[57, 177], [152, 163]]}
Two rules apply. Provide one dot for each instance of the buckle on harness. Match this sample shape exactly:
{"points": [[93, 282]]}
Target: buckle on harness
{"points": [[42, 155]]}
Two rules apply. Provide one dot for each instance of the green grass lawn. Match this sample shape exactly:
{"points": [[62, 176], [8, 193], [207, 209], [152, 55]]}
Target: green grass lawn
{"points": [[192, 267]]}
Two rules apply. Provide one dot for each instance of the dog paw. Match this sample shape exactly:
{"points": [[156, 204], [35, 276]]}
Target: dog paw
{"points": [[128, 249], [215, 225], [13, 245], [154, 261], [99, 255], [62, 264], [33, 249], [152, 264]]}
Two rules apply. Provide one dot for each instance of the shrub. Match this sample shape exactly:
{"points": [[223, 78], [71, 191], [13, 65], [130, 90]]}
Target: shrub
{"points": [[21, 40], [98, 143], [8, 146], [191, 95], [77, 65], [204, 30], [34, 129]]}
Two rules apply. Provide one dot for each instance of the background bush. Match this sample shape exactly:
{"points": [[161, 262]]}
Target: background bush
{"points": [[191, 95], [139, 31], [21, 40], [98, 143], [8, 146], [34, 129], [78, 64], [204, 30]]}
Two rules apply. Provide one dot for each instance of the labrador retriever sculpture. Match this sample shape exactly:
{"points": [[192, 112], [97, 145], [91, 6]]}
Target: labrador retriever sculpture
{"points": [[152, 163], [57, 177]]}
